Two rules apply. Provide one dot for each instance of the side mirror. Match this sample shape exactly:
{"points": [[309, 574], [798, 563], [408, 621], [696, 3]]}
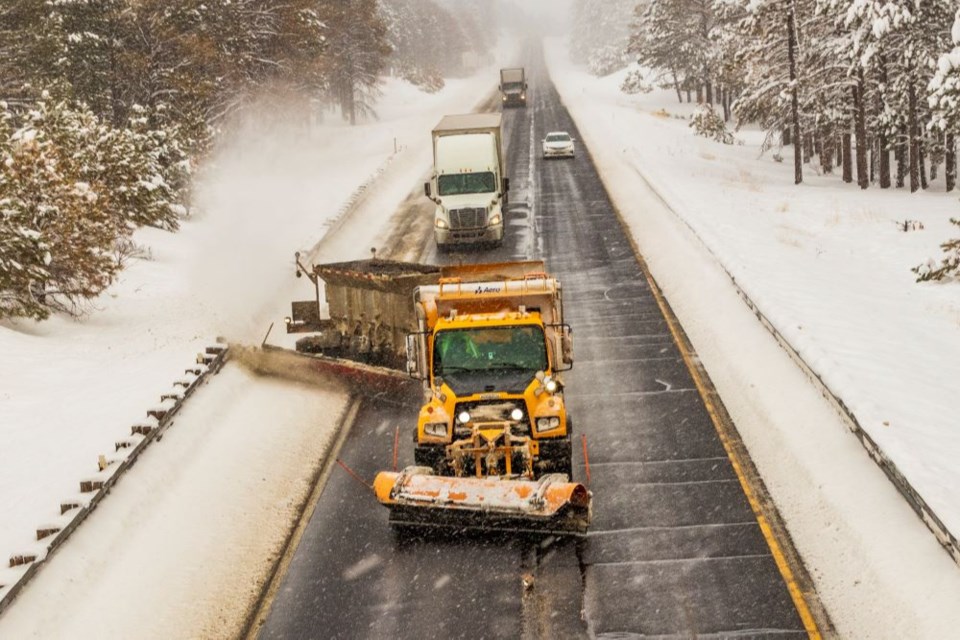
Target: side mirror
{"points": [[426, 189], [566, 345], [506, 185], [413, 356]]}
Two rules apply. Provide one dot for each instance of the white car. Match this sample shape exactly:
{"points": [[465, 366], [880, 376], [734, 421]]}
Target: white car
{"points": [[558, 144]]}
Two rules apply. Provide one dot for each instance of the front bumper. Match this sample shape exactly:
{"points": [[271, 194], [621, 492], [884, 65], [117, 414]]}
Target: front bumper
{"points": [[492, 233], [558, 153]]}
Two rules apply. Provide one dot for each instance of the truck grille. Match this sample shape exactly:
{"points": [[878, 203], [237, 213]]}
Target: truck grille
{"points": [[468, 218], [495, 410]]}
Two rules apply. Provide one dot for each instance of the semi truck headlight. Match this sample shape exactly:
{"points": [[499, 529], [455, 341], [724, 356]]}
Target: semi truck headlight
{"points": [[463, 417], [516, 415], [496, 219], [546, 424], [442, 224], [436, 429], [550, 385]]}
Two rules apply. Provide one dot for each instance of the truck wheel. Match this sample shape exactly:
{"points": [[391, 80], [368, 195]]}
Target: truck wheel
{"points": [[564, 462], [428, 456]]}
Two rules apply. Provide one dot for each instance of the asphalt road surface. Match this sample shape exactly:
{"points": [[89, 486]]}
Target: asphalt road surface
{"points": [[675, 550]]}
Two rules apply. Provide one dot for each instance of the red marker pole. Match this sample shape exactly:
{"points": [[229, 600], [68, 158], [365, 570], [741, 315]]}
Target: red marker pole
{"points": [[586, 458]]}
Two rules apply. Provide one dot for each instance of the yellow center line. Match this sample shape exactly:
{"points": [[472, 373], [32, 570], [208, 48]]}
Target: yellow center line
{"points": [[799, 600]]}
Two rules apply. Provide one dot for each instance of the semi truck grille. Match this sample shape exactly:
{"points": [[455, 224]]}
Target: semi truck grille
{"points": [[468, 218]]}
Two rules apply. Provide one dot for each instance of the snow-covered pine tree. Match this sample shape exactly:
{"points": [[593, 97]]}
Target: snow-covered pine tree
{"points": [[944, 101], [775, 80], [23, 255], [357, 51], [602, 33], [418, 32], [73, 221], [675, 37]]}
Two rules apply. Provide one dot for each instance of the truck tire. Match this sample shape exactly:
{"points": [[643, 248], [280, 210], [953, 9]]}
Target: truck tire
{"points": [[556, 456], [432, 456]]}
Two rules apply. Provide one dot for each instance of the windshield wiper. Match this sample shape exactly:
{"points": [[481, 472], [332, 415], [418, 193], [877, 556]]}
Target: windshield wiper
{"points": [[453, 369], [510, 366]]}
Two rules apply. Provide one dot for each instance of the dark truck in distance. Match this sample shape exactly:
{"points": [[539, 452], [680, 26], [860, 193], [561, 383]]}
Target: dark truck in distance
{"points": [[513, 87]]}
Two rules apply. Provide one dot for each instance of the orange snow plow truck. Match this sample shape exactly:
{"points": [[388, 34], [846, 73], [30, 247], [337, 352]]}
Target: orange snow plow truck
{"points": [[493, 438]]}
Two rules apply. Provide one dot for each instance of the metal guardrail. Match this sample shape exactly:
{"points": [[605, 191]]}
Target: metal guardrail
{"points": [[95, 488]]}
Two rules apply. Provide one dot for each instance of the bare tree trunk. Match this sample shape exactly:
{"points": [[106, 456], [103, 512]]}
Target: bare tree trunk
{"points": [[884, 162], [724, 94], [807, 149], [860, 120], [785, 136], [900, 151], [883, 142], [794, 99], [709, 88], [950, 170], [688, 94], [826, 154], [847, 150], [676, 85], [922, 162], [914, 142]]}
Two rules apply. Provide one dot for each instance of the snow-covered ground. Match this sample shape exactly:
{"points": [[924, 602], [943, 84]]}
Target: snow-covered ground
{"points": [[824, 261], [70, 388], [827, 265]]}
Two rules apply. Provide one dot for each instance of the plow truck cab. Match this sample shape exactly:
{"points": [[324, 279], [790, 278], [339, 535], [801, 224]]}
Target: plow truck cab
{"points": [[491, 345]]}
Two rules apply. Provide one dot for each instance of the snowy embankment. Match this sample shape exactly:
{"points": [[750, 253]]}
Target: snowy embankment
{"points": [[827, 265], [70, 388]]}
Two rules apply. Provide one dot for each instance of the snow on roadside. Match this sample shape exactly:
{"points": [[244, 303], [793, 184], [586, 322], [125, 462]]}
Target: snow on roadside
{"points": [[70, 388], [828, 266], [183, 543], [824, 261]]}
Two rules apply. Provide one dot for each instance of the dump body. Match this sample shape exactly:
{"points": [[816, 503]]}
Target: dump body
{"points": [[370, 310], [469, 183], [513, 87]]}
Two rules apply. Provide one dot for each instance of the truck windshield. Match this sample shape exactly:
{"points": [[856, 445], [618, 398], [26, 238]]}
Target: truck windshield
{"points": [[455, 184], [498, 351], [513, 86]]}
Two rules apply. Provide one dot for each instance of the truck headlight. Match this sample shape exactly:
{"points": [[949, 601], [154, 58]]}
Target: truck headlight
{"points": [[463, 417], [550, 385], [436, 429], [496, 219], [546, 424], [441, 224], [516, 415]]}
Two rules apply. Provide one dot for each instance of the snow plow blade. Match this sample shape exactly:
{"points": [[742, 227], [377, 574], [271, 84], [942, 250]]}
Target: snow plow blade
{"points": [[551, 505], [320, 369]]}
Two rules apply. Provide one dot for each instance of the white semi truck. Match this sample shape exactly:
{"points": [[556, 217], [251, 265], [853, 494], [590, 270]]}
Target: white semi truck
{"points": [[513, 87], [468, 185]]}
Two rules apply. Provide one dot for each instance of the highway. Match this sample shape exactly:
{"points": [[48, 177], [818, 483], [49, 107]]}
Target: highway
{"points": [[675, 550]]}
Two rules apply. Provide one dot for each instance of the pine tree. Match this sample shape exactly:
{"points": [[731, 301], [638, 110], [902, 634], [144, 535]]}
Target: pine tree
{"points": [[357, 50], [602, 34]]}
